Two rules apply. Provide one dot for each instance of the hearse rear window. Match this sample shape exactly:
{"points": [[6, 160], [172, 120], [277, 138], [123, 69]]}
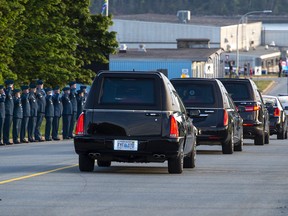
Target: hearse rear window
{"points": [[238, 91], [124, 91], [195, 94]]}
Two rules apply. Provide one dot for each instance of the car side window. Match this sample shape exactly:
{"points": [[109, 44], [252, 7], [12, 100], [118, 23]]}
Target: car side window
{"points": [[171, 94], [224, 94], [231, 103], [179, 101], [259, 97]]}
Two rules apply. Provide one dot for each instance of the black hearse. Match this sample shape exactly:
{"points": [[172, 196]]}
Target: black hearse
{"points": [[134, 117]]}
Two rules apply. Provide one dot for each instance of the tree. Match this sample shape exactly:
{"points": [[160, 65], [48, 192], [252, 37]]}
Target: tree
{"points": [[10, 26], [45, 50], [60, 38], [95, 42]]}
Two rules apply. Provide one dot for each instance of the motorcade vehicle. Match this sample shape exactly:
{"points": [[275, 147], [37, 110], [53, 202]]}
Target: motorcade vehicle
{"points": [[284, 101], [277, 116], [134, 117], [249, 102], [213, 112]]}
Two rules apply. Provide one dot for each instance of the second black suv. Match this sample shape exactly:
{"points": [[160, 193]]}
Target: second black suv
{"points": [[252, 109], [213, 112]]}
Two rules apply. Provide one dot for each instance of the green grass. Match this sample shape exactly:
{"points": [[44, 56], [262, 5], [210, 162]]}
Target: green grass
{"points": [[262, 84], [43, 129]]}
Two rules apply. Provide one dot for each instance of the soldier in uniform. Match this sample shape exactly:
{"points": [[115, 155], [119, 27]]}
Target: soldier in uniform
{"points": [[41, 101], [80, 102], [84, 89], [17, 115], [49, 114], [73, 100], [26, 113], [2, 111], [33, 112], [67, 112], [9, 107], [58, 109]]}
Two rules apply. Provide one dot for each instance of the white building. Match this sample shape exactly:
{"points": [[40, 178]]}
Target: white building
{"points": [[162, 32], [157, 31]]}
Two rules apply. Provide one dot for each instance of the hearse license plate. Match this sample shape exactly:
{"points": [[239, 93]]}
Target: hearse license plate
{"points": [[126, 145]]}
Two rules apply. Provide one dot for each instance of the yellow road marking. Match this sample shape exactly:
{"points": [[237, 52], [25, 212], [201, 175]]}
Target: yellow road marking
{"points": [[36, 174]]}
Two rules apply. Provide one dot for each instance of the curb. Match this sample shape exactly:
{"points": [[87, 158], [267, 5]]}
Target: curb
{"points": [[269, 87]]}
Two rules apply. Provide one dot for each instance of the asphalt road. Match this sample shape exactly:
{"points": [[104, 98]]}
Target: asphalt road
{"points": [[43, 179], [280, 86]]}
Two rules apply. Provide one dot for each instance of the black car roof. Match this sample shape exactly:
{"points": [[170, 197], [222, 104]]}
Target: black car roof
{"points": [[131, 73], [233, 80], [193, 79]]}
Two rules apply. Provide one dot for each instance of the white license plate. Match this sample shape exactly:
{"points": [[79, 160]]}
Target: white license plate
{"points": [[126, 145]]}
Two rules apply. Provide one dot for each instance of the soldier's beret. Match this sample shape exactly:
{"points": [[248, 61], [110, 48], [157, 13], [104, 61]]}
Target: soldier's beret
{"points": [[25, 87], [83, 87], [16, 91], [1, 86], [48, 89], [9, 82], [65, 89], [72, 83], [56, 88], [80, 91], [40, 82], [32, 85]]}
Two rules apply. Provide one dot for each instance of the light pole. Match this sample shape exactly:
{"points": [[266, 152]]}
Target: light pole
{"points": [[237, 34]]}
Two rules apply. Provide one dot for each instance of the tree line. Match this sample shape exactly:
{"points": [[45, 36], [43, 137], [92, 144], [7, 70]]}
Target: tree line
{"points": [[197, 7], [53, 40]]}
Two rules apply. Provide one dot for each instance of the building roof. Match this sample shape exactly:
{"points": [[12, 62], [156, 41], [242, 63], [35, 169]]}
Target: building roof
{"points": [[191, 54], [195, 20], [261, 52]]}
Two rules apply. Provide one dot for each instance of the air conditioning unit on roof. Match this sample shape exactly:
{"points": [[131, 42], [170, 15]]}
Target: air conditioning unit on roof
{"points": [[184, 16]]}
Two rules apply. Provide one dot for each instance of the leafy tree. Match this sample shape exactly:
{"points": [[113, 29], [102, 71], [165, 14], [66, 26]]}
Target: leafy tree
{"points": [[45, 50], [60, 38], [10, 26], [95, 42]]}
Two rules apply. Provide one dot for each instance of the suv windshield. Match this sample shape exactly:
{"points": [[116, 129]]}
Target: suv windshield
{"points": [[123, 91], [195, 94], [238, 91]]}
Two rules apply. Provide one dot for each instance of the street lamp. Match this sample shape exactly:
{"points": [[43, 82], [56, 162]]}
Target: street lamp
{"points": [[237, 33]]}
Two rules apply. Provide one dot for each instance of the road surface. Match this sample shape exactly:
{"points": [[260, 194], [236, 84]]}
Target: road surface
{"points": [[43, 179]]}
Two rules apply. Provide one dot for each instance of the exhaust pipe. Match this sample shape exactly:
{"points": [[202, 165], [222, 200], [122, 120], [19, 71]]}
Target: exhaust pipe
{"points": [[159, 156], [156, 156], [94, 155]]}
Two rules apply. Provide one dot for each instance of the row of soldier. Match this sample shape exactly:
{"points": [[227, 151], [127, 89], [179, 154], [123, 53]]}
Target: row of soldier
{"points": [[24, 110]]}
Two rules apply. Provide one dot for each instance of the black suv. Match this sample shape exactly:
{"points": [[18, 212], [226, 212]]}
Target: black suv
{"points": [[252, 109], [277, 116], [213, 112], [134, 117]]}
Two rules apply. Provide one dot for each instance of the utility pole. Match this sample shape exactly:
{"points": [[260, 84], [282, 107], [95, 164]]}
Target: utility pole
{"points": [[105, 8], [237, 33]]}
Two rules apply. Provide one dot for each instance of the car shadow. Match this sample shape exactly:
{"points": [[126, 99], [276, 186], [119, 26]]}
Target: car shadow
{"points": [[209, 152]]}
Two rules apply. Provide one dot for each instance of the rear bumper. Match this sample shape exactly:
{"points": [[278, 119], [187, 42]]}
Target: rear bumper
{"points": [[275, 126], [252, 129], [148, 149], [213, 136]]}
